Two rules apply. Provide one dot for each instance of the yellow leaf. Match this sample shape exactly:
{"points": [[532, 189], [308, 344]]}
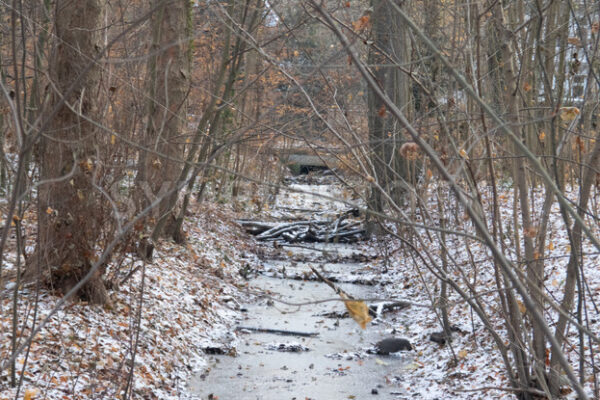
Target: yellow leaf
{"points": [[49, 210], [550, 246], [462, 354], [113, 139], [296, 53], [464, 154], [569, 113], [30, 394], [522, 307], [359, 312]]}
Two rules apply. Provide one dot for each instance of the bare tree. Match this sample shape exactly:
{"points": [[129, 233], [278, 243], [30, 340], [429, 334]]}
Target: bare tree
{"points": [[168, 76], [72, 216]]}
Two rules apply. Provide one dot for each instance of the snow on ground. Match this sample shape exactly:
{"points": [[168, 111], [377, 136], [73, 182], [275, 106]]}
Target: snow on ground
{"points": [[191, 300], [85, 351], [479, 368]]}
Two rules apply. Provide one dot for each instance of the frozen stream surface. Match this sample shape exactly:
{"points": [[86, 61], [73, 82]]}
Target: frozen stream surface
{"points": [[332, 365]]}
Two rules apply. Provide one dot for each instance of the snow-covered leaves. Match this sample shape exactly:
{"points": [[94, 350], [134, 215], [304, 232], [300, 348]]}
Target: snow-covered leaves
{"points": [[85, 351]]}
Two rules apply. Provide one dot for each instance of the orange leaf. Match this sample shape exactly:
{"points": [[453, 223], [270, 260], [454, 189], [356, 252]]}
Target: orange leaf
{"points": [[381, 112], [361, 23], [526, 87], [542, 136], [522, 307]]}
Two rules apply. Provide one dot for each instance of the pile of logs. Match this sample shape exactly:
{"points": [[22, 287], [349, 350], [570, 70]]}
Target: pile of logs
{"points": [[339, 230]]}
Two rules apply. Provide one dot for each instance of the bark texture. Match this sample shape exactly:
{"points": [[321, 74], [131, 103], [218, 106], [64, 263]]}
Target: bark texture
{"points": [[72, 214]]}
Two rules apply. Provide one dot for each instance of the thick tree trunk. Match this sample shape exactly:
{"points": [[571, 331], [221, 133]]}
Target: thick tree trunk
{"points": [[72, 217], [169, 82]]}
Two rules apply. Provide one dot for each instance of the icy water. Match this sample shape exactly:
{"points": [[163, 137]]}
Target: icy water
{"points": [[331, 365]]}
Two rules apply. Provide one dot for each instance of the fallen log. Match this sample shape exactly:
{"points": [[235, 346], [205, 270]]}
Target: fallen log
{"points": [[256, 227], [276, 331], [338, 230]]}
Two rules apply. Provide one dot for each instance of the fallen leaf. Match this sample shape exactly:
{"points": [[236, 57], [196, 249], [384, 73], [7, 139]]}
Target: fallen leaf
{"points": [[30, 394], [462, 354]]}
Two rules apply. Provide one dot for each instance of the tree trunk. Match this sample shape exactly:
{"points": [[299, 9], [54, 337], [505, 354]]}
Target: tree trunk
{"points": [[168, 71], [72, 216], [391, 46]]}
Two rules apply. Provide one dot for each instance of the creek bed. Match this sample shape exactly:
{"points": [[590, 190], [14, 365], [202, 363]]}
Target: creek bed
{"points": [[332, 365]]}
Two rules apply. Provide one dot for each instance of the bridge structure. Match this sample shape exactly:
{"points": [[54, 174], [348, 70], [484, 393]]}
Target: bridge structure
{"points": [[301, 161]]}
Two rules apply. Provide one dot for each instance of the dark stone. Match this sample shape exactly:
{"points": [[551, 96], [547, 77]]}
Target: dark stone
{"points": [[374, 391], [392, 345], [439, 337], [214, 350]]}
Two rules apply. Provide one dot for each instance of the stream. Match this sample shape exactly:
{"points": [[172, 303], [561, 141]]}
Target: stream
{"points": [[334, 364]]}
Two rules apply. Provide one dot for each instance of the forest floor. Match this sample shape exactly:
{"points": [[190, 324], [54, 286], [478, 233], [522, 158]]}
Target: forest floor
{"points": [[85, 351], [192, 300]]}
